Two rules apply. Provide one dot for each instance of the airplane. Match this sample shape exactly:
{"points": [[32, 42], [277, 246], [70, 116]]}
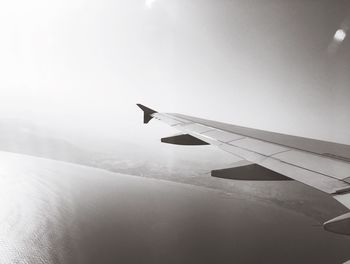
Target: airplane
{"points": [[320, 164]]}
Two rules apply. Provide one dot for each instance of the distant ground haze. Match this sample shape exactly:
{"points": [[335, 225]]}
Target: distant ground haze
{"points": [[55, 212]]}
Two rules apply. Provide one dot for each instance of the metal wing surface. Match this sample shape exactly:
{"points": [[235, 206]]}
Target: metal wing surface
{"points": [[319, 164]]}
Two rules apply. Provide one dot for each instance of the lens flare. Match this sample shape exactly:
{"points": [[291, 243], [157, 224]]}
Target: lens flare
{"points": [[339, 35]]}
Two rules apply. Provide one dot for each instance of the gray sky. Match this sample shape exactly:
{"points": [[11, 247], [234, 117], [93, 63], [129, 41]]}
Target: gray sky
{"points": [[81, 66]]}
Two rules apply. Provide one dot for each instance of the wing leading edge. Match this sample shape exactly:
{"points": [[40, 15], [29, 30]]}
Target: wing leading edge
{"points": [[319, 164]]}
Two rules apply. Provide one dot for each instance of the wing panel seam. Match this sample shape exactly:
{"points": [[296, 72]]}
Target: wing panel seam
{"points": [[297, 166], [308, 151]]}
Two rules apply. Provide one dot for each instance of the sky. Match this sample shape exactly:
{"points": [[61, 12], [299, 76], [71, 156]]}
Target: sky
{"points": [[80, 66]]}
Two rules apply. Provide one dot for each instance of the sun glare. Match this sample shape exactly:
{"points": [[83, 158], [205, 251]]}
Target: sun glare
{"points": [[339, 35], [149, 3]]}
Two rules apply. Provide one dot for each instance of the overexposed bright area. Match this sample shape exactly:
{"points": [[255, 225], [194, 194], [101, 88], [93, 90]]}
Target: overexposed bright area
{"points": [[149, 3], [82, 65], [340, 35]]}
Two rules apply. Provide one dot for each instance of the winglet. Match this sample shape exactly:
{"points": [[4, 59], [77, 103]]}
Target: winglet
{"points": [[147, 113]]}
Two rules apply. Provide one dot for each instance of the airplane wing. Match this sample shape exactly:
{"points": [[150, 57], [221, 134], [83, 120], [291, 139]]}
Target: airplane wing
{"points": [[319, 164]]}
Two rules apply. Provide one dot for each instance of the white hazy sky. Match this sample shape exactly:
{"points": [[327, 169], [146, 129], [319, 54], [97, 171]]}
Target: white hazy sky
{"points": [[82, 65]]}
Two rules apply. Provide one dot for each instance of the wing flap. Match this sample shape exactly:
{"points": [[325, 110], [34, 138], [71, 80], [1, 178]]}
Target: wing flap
{"points": [[314, 179], [334, 168]]}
